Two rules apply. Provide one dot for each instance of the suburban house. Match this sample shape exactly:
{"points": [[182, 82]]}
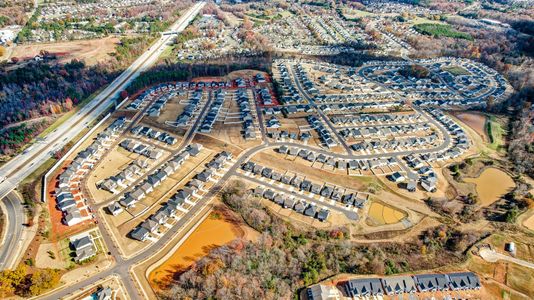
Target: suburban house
{"points": [[84, 248]]}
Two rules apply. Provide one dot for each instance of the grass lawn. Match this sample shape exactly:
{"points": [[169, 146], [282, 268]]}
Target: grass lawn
{"points": [[496, 133], [65, 253], [520, 279], [43, 168], [441, 30], [456, 70]]}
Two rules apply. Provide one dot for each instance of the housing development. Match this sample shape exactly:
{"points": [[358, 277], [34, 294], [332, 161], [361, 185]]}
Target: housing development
{"points": [[267, 149]]}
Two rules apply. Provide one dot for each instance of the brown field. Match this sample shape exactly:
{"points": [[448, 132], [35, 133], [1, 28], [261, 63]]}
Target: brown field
{"points": [[218, 229], [91, 51], [476, 121], [529, 223], [381, 214], [487, 189]]}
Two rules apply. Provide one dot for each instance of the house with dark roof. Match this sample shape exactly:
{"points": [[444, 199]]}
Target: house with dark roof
{"points": [[300, 206], [364, 287], [310, 211], [269, 194], [289, 203], [84, 248], [205, 175], [140, 233], [432, 282], [150, 225], [463, 281], [399, 285], [114, 208], [323, 214]]}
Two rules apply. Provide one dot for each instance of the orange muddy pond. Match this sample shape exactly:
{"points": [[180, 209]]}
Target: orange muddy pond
{"points": [[215, 231], [491, 185]]}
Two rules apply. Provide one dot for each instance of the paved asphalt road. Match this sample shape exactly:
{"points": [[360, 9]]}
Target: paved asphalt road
{"points": [[320, 112], [24, 164], [13, 205], [123, 265]]}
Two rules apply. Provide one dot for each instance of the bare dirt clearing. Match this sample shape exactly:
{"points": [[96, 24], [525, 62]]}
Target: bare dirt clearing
{"points": [[476, 121], [90, 51]]}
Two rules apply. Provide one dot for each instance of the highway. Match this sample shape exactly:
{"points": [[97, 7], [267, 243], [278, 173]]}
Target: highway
{"points": [[13, 231], [27, 162], [24, 164]]}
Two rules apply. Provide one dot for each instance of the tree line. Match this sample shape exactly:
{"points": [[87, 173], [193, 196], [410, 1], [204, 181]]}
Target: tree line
{"points": [[286, 259]]}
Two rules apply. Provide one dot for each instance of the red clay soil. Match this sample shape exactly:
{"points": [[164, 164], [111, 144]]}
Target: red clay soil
{"points": [[60, 230]]}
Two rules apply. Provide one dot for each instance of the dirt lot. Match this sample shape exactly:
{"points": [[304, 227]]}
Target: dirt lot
{"points": [[91, 51], [476, 121]]}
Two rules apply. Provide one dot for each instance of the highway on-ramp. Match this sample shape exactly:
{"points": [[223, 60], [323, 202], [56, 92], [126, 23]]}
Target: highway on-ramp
{"points": [[14, 219]]}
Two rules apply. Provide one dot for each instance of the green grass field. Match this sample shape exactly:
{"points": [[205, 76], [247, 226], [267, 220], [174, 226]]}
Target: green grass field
{"points": [[441, 30], [496, 133], [456, 70]]}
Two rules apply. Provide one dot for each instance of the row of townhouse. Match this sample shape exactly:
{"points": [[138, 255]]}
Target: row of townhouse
{"points": [[265, 96], [383, 105], [380, 119], [290, 93], [124, 178], [66, 197], [245, 114], [157, 178], [177, 200], [304, 79], [395, 286], [396, 142], [342, 164], [192, 106], [154, 134], [358, 288], [213, 111], [325, 190], [324, 134], [140, 148], [383, 130], [299, 206], [284, 134]]}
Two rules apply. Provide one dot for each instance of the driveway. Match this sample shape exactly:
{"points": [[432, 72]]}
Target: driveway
{"points": [[492, 256]]}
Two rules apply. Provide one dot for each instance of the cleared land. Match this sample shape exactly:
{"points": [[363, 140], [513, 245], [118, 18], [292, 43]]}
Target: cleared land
{"points": [[476, 121], [381, 214], [529, 223], [91, 51]]}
